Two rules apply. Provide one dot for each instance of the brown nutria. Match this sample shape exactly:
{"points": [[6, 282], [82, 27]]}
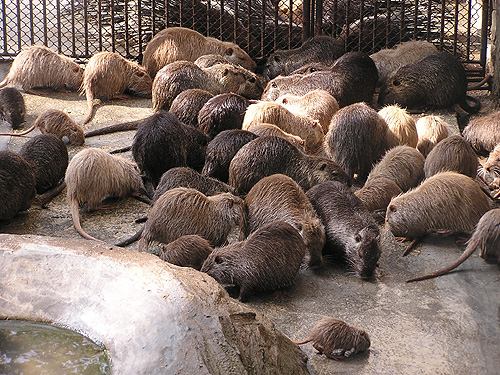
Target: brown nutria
{"points": [[278, 197], [180, 43], [431, 129], [39, 66], [352, 234], [108, 75], [268, 260], [318, 104], [358, 138], [12, 106], [188, 104], [336, 339], [268, 155], [486, 237], [182, 211], [438, 80], [483, 132], [197, 142], [452, 154], [401, 124], [186, 251], [376, 194], [274, 113], [92, 175], [264, 129], [447, 200]]}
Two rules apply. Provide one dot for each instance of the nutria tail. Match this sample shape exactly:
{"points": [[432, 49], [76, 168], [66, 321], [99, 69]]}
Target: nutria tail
{"points": [[121, 150], [131, 239], [76, 221], [468, 108], [124, 126], [90, 105], [4, 82], [301, 342], [20, 134], [45, 198]]}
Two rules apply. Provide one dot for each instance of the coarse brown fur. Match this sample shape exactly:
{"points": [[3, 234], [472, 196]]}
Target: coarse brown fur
{"points": [[483, 132], [188, 104], [12, 106], [431, 129], [376, 194], [186, 251], [401, 124], [264, 129]]}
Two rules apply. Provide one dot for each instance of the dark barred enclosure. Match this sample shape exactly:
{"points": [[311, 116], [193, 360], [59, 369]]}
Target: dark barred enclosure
{"points": [[80, 28]]}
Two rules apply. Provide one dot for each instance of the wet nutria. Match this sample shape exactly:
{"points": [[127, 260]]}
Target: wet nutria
{"points": [[188, 103], [39, 66], [483, 132], [269, 259], [437, 80], [376, 194], [186, 251], [268, 155], [431, 129], [401, 124], [108, 75], [92, 175], [272, 130], [278, 197], [336, 339], [12, 106]]}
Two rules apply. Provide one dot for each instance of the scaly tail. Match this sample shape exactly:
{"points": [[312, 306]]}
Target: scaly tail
{"points": [[20, 134], [90, 105], [76, 221]]}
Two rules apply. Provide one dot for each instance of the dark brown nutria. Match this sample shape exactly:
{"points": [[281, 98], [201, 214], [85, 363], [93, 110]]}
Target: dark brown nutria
{"points": [[278, 197], [17, 185], [12, 106], [182, 211], [264, 129], [483, 132], [108, 75], [320, 49], [48, 157], [486, 237], [92, 175], [358, 138], [447, 200], [352, 234], [221, 150], [197, 143], [438, 80], [336, 339], [268, 260], [268, 155], [39, 66], [401, 124], [431, 129], [188, 104], [452, 154], [180, 43], [376, 194], [186, 251]]}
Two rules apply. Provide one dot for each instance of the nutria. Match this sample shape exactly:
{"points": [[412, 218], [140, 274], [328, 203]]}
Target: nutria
{"points": [[447, 200], [92, 175], [272, 130], [268, 155], [182, 211], [491, 166], [401, 124], [180, 43], [268, 260], [188, 104], [39, 66], [336, 339], [12, 106], [206, 61], [376, 194], [483, 132], [357, 139], [352, 234], [486, 237], [221, 150], [431, 129], [310, 68], [186, 251], [274, 113], [197, 143], [109, 75], [452, 154], [438, 80], [278, 197]]}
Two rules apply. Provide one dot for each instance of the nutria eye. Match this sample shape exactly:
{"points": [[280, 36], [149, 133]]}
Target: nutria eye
{"points": [[251, 79], [277, 58], [357, 238], [218, 260], [76, 69], [322, 167], [396, 82], [274, 85], [140, 74]]}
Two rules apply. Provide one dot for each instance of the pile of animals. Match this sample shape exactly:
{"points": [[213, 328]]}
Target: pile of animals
{"points": [[252, 177]]}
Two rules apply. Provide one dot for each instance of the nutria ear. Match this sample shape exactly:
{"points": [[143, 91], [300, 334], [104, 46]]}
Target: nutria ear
{"points": [[76, 69], [231, 202], [315, 123], [218, 260], [229, 51], [140, 74], [322, 167], [392, 208], [277, 58], [74, 128], [226, 72], [357, 237], [284, 101]]}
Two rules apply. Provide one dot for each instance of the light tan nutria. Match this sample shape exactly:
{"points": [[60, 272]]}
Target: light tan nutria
{"points": [[483, 132], [447, 200], [182, 211], [54, 121], [317, 104], [264, 129], [274, 113], [186, 251], [108, 74], [94, 174], [377, 193], [39, 66], [278, 197], [431, 129], [491, 166], [401, 124], [336, 339], [179, 43], [179, 76]]}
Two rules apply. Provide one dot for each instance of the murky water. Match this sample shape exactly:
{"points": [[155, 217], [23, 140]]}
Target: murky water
{"points": [[30, 348]]}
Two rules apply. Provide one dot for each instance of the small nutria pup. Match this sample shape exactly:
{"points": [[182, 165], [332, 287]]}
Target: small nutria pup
{"points": [[401, 124], [186, 251], [268, 260], [447, 200], [483, 132], [92, 175], [182, 211], [452, 154], [376, 193], [39, 66], [278, 197], [188, 104], [352, 234], [12, 106], [108, 75], [336, 339], [264, 129], [431, 129]]}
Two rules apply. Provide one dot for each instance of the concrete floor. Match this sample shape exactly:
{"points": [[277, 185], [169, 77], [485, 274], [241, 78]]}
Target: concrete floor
{"points": [[448, 325]]}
